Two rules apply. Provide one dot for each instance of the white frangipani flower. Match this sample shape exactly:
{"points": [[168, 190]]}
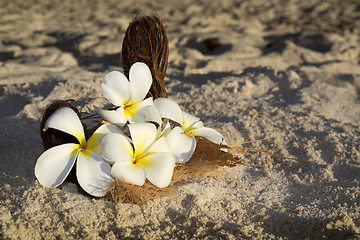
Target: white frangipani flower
{"points": [[54, 165], [142, 158], [128, 96], [181, 139]]}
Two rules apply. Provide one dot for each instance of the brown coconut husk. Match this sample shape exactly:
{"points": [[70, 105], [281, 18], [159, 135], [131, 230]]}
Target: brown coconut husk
{"points": [[206, 159], [146, 41]]}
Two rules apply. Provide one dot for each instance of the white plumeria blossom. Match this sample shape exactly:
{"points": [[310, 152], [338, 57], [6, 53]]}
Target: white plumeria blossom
{"points": [[181, 139], [143, 157], [128, 96], [54, 165]]}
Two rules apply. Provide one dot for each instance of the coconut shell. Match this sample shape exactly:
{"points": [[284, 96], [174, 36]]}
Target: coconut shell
{"points": [[146, 41], [52, 137]]}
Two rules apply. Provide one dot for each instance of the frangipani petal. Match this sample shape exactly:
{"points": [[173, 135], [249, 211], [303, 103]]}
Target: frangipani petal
{"points": [[136, 112], [116, 148], [116, 117], [169, 109], [144, 104], [100, 133], [181, 146], [160, 145], [116, 88], [140, 81], [93, 173], [166, 128], [53, 166], [135, 117], [66, 120], [129, 172], [190, 120], [210, 134], [198, 124], [152, 115], [142, 135], [159, 168]]}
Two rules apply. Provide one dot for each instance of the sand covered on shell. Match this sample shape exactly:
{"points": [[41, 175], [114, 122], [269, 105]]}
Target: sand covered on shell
{"points": [[284, 71]]}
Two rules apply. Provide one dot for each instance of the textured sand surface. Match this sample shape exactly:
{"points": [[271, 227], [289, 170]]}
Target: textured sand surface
{"points": [[287, 71]]}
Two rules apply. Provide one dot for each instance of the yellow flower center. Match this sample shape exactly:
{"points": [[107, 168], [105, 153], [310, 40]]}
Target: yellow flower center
{"points": [[139, 156], [130, 109], [188, 131], [188, 128]]}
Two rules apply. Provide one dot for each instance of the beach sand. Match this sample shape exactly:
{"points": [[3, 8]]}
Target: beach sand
{"points": [[287, 72]]}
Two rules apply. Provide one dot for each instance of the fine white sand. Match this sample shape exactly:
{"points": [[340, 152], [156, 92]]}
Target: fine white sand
{"points": [[287, 71]]}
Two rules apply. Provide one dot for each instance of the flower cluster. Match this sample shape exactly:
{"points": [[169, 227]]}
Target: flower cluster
{"points": [[142, 139]]}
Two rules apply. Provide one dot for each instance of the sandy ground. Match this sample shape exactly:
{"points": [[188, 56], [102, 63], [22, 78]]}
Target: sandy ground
{"points": [[287, 71]]}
